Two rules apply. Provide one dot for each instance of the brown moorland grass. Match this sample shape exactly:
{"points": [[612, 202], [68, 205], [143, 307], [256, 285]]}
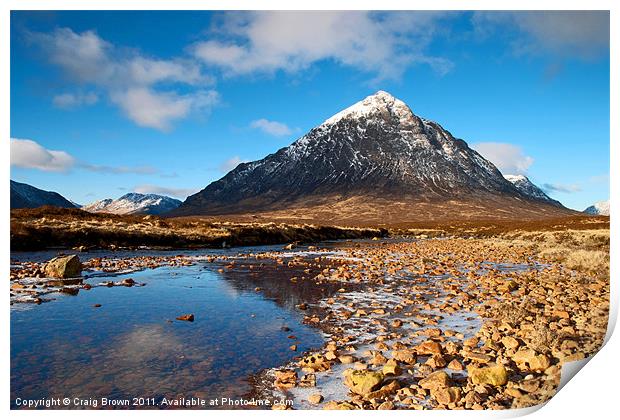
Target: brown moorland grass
{"points": [[49, 227]]}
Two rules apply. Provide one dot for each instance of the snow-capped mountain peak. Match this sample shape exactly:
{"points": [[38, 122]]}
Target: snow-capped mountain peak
{"points": [[380, 104], [600, 208], [528, 188], [375, 148], [134, 203]]}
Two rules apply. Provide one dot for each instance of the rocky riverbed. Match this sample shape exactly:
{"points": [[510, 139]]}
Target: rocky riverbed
{"points": [[446, 323]]}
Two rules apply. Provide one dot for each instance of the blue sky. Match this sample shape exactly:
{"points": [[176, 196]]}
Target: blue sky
{"points": [[104, 103]]}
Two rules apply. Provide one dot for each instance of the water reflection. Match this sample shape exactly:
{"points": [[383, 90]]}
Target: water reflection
{"points": [[131, 346]]}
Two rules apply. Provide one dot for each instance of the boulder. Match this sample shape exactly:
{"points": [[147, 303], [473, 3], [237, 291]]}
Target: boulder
{"points": [[64, 267], [429, 348], [315, 362], [362, 382], [385, 391], [435, 380], [448, 395], [492, 375], [529, 358]]}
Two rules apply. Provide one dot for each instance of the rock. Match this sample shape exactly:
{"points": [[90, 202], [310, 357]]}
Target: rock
{"points": [[513, 392], [510, 342], [405, 356], [471, 342], [345, 359], [64, 267], [529, 386], [338, 405], [362, 382], [436, 361], [435, 380], [128, 282], [448, 395], [431, 332], [477, 356], [308, 380], [388, 389], [508, 286], [290, 246], [397, 323], [429, 348], [492, 375], [315, 399], [455, 365], [561, 314], [392, 368], [528, 358], [378, 358], [386, 405], [285, 378], [186, 317], [316, 362]]}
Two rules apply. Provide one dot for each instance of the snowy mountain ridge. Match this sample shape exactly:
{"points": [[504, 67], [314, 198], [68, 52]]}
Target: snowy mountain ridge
{"points": [[527, 187], [134, 203]]}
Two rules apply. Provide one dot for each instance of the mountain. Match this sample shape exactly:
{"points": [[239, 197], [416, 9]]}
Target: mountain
{"points": [[527, 187], [374, 162], [134, 203], [601, 208], [27, 196]]}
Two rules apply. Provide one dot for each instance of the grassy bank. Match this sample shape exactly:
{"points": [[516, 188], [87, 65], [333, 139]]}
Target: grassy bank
{"points": [[48, 227]]}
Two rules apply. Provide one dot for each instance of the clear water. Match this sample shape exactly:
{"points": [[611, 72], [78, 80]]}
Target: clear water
{"points": [[132, 346]]}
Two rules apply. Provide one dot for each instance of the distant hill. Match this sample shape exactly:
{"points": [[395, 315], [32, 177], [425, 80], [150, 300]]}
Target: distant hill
{"points": [[601, 208], [24, 196], [134, 203]]}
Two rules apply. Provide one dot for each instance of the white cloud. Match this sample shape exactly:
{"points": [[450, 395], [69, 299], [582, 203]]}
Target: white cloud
{"points": [[230, 164], [578, 33], [30, 154], [508, 158], [563, 188], [271, 127], [74, 100], [384, 43], [148, 108], [181, 193], [144, 88]]}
